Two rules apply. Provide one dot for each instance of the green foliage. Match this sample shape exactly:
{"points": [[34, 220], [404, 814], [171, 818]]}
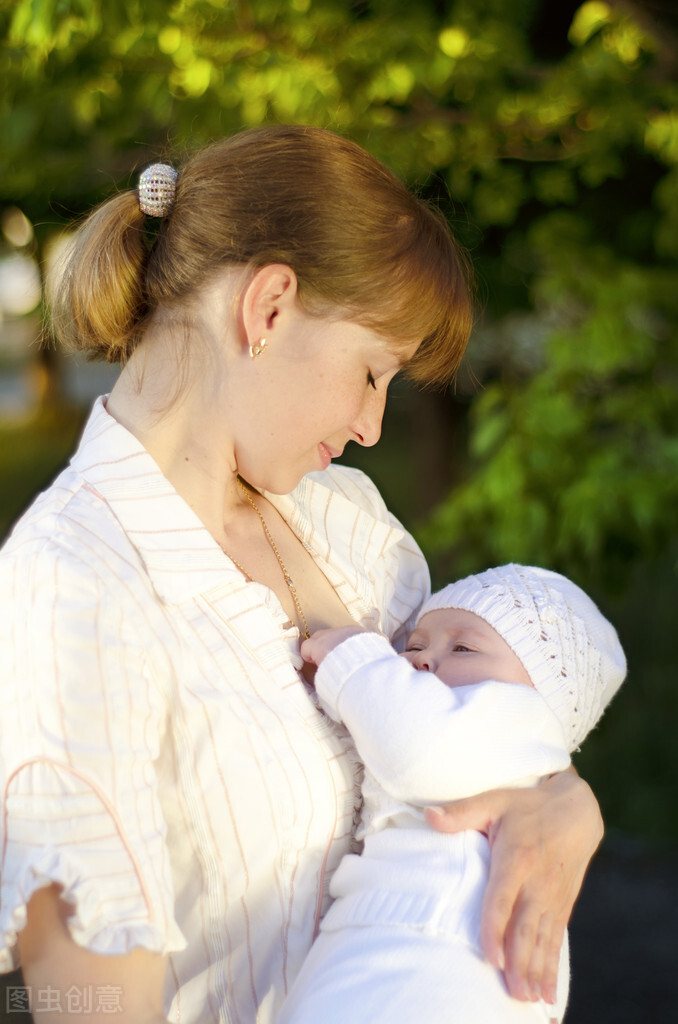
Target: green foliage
{"points": [[94, 89], [31, 455], [576, 465]]}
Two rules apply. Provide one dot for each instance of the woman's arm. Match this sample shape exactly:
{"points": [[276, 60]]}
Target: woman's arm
{"points": [[83, 722], [52, 960], [542, 842]]}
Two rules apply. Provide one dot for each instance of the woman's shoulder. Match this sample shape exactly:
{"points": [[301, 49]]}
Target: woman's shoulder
{"points": [[64, 516], [69, 543]]}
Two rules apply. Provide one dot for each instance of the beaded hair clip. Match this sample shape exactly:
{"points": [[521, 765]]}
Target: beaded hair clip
{"points": [[157, 187]]}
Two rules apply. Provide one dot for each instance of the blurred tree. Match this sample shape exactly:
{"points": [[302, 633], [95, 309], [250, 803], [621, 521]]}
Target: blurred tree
{"points": [[554, 130], [574, 439]]}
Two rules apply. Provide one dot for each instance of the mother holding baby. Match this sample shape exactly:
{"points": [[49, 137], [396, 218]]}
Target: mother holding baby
{"points": [[174, 800]]}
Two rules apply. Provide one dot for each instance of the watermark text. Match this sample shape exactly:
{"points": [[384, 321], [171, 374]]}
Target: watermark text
{"points": [[86, 1000]]}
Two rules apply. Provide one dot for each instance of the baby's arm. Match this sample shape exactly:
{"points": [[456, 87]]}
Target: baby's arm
{"points": [[424, 741]]}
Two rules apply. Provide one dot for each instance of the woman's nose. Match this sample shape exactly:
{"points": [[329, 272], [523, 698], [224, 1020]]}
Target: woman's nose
{"points": [[367, 428]]}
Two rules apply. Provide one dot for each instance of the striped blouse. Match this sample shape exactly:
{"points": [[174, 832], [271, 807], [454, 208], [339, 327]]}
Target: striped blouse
{"points": [[161, 756]]}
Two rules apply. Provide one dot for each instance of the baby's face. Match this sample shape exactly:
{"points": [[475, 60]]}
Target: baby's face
{"points": [[461, 648]]}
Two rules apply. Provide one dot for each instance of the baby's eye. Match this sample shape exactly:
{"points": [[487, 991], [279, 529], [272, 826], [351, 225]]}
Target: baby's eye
{"points": [[462, 648], [371, 381], [411, 650]]}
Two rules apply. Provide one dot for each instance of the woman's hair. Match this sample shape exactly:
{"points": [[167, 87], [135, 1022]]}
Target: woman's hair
{"points": [[360, 243]]}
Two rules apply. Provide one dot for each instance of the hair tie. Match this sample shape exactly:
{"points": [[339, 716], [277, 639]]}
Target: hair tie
{"points": [[157, 187]]}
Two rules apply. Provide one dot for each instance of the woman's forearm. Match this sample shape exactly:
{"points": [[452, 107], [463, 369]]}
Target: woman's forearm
{"points": [[52, 961]]}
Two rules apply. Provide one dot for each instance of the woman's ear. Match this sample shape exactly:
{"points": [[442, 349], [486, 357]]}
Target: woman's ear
{"points": [[270, 293]]}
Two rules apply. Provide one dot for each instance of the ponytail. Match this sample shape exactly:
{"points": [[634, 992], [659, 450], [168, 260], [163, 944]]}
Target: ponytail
{"points": [[98, 301]]}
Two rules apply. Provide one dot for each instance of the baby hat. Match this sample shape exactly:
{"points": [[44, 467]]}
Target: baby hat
{"points": [[569, 649]]}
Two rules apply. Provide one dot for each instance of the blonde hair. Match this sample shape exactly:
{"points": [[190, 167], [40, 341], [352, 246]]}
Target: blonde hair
{"points": [[359, 242]]}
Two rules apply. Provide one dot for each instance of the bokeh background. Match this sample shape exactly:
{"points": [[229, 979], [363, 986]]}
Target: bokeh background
{"points": [[547, 130]]}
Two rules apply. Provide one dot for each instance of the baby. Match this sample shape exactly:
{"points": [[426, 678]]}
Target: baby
{"points": [[504, 675]]}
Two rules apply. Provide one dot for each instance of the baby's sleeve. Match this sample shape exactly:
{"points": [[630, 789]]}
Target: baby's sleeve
{"points": [[83, 721], [425, 742]]}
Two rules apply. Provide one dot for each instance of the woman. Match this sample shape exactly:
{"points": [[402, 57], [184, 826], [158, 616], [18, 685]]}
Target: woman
{"points": [[175, 803]]}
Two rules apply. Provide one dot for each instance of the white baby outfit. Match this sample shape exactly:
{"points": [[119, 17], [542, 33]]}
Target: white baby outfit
{"points": [[401, 941]]}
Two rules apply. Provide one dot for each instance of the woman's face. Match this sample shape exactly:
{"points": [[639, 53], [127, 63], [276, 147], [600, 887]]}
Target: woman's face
{"points": [[319, 384]]}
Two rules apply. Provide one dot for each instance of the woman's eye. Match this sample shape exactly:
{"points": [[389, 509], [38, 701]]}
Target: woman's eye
{"points": [[371, 381]]}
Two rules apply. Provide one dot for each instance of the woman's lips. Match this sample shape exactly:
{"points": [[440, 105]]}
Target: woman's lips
{"points": [[327, 454]]}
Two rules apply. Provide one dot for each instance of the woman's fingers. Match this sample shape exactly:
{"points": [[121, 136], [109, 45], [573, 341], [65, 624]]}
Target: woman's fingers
{"points": [[473, 812], [551, 960], [536, 968], [542, 969], [520, 945], [533, 956], [512, 914], [542, 840]]}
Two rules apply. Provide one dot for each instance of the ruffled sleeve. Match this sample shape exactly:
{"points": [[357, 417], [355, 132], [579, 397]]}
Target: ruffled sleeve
{"points": [[83, 723]]}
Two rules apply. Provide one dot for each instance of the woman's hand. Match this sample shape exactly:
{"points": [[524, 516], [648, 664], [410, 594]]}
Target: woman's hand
{"points": [[52, 961], [542, 840]]}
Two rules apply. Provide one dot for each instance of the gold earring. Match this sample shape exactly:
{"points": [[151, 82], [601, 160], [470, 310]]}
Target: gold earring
{"points": [[256, 350]]}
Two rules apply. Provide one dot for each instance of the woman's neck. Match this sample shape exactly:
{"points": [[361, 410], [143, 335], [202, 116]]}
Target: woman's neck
{"points": [[184, 428]]}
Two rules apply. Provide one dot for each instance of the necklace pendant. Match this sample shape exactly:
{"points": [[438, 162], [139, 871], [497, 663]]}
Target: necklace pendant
{"points": [[289, 582]]}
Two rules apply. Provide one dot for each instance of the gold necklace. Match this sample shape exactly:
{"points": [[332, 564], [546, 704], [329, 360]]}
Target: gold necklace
{"points": [[286, 576]]}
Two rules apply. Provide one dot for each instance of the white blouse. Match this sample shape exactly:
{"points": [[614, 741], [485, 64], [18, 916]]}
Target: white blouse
{"points": [[161, 757]]}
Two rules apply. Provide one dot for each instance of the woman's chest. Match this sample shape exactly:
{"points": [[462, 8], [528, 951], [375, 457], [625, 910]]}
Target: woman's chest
{"points": [[248, 751]]}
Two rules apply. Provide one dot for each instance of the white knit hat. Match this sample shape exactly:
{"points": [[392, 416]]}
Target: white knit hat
{"points": [[570, 651]]}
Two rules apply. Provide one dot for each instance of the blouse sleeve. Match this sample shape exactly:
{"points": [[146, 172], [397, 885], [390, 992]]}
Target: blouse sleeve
{"points": [[382, 550], [82, 725]]}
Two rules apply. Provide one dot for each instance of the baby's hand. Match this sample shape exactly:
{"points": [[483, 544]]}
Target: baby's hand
{"points": [[325, 640]]}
